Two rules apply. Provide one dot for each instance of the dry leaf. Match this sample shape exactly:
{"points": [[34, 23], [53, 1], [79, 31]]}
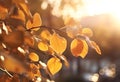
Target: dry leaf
{"points": [[87, 32], [54, 65], [96, 47], [34, 57], [43, 46], [79, 48], [58, 43], [36, 22]]}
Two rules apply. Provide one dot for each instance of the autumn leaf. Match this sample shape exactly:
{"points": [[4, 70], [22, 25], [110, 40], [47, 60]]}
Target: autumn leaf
{"points": [[79, 47], [13, 65], [42, 46], [58, 43], [34, 57], [20, 16], [3, 12], [45, 34], [96, 47], [36, 22], [54, 65], [87, 32]]}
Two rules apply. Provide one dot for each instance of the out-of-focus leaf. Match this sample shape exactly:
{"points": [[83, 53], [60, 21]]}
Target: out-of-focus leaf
{"points": [[20, 16], [73, 31], [79, 48], [13, 39], [36, 22], [3, 12], [63, 58], [13, 65], [45, 34], [42, 46], [29, 41], [96, 47], [54, 65], [34, 57], [58, 43], [34, 72], [87, 32]]}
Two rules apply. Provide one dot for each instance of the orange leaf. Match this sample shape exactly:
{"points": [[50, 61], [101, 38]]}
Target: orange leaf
{"points": [[43, 46], [87, 32], [3, 12], [34, 57], [79, 48], [19, 16], [58, 43], [96, 47], [54, 65], [36, 22], [45, 34]]}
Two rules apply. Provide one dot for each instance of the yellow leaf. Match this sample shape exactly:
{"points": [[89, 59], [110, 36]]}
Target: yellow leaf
{"points": [[79, 48], [96, 47], [87, 32], [43, 46], [45, 34], [58, 43], [54, 65], [36, 22], [34, 57]]}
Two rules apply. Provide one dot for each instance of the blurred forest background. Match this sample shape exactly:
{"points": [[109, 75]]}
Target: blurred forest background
{"points": [[95, 68]]}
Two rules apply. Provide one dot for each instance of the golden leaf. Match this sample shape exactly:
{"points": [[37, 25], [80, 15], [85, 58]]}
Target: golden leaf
{"points": [[96, 47], [54, 65], [58, 43], [26, 10], [43, 46], [36, 22], [45, 34], [34, 57], [19, 16], [87, 32], [79, 48]]}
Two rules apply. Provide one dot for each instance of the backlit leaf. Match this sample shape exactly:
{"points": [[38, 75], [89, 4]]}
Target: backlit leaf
{"points": [[45, 34], [96, 47], [42, 46], [26, 10], [79, 48], [54, 65], [87, 32], [58, 43], [34, 57], [36, 22]]}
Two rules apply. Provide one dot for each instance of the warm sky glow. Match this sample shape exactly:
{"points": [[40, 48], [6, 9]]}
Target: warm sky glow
{"points": [[80, 8]]}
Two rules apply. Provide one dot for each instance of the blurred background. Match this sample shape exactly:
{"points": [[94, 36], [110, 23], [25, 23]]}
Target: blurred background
{"points": [[103, 17]]}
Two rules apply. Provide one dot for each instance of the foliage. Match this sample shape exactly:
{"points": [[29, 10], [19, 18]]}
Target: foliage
{"points": [[23, 40]]}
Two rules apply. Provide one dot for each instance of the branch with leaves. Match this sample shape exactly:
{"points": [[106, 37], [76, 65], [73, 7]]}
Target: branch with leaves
{"points": [[23, 41]]}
